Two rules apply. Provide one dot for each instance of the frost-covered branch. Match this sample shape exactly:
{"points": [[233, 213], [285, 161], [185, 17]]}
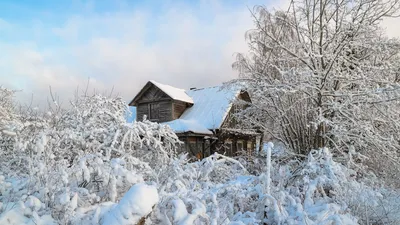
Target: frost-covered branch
{"points": [[322, 74]]}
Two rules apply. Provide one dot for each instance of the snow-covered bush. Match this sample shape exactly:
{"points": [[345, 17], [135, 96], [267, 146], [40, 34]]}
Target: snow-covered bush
{"points": [[81, 156], [26, 213], [362, 195], [7, 111], [136, 204], [86, 165], [9, 125], [206, 191], [302, 195], [370, 205], [193, 194], [97, 124]]}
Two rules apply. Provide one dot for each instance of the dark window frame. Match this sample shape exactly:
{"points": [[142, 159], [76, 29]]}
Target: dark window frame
{"points": [[151, 108]]}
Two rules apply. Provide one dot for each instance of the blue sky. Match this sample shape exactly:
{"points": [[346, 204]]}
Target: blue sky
{"points": [[120, 44]]}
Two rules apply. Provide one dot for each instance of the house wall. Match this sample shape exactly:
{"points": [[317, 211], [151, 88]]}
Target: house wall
{"points": [[225, 144], [178, 108], [230, 121], [195, 145], [155, 111], [155, 104], [234, 145]]}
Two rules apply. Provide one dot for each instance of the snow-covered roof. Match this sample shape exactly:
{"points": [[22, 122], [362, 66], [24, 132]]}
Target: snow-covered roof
{"points": [[211, 105], [182, 126], [173, 92]]}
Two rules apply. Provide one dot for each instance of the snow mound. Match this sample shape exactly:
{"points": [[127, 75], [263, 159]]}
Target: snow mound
{"points": [[136, 204], [25, 214]]}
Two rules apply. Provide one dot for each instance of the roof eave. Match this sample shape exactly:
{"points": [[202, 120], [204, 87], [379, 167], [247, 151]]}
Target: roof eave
{"points": [[138, 95]]}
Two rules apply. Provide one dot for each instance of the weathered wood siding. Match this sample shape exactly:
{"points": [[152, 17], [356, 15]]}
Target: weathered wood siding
{"points": [[230, 121], [155, 111], [156, 105], [195, 145], [153, 94], [141, 110], [229, 145], [165, 111], [178, 108]]}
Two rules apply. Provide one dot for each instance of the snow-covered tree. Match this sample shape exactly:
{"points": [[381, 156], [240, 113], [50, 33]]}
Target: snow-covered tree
{"points": [[323, 73]]}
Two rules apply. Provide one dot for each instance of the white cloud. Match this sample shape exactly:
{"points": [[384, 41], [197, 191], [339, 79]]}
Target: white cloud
{"points": [[125, 49], [182, 46]]}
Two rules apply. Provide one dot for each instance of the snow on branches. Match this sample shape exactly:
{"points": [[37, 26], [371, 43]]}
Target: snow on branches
{"points": [[83, 155], [87, 166], [323, 74]]}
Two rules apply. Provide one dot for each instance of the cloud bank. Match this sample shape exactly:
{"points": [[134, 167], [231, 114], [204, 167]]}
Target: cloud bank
{"points": [[120, 48]]}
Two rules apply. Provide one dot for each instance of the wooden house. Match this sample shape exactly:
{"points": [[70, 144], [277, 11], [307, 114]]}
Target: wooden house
{"points": [[202, 118]]}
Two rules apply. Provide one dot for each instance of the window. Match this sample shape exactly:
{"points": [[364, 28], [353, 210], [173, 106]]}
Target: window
{"points": [[153, 111], [196, 149], [228, 148], [239, 146], [236, 109], [250, 147]]}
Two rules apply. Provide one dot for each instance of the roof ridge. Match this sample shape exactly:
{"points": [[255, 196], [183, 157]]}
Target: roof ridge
{"points": [[202, 88], [155, 82], [173, 92]]}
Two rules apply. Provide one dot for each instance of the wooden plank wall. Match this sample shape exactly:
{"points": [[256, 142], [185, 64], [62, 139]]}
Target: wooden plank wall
{"points": [[178, 108], [159, 103]]}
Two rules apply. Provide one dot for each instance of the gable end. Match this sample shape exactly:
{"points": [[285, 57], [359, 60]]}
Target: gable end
{"points": [[149, 93]]}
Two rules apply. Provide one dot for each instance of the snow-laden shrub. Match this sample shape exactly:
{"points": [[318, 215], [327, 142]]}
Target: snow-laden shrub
{"points": [[26, 213], [370, 205], [137, 203], [362, 194], [97, 124], [82, 156], [72, 166], [218, 190], [7, 113], [9, 125], [201, 192]]}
